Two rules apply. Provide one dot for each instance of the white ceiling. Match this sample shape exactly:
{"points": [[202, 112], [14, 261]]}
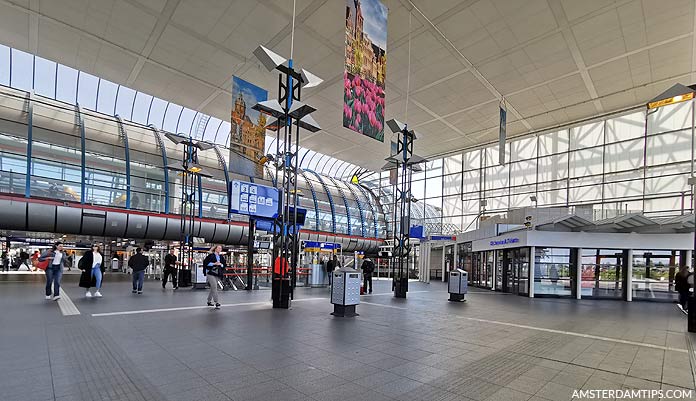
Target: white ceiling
{"points": [[554, 61]]}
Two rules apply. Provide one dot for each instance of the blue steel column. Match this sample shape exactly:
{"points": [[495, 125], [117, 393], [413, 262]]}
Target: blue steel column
{"points": [[83, 155], [345, 203], [165, 165], [372, 208], [124, 138], [314, 197], [331, 202], [30, 125], [360, 207]]}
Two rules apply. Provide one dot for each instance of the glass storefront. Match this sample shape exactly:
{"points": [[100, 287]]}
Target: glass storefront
{"points": [[653, 274], [552, 273], [505, 270], [602, 273]]}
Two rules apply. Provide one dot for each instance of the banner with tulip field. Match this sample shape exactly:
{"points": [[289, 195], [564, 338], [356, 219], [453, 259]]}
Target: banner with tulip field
{"points": [[365, 67]]}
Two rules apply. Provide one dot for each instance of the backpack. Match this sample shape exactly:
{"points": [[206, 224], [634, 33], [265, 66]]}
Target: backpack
{"points": [[41, 265]]}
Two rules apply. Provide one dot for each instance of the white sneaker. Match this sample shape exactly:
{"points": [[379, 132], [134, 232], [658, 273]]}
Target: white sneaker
{"points": [[48, 297], [98, 294], [88, 294], [57, 297]]}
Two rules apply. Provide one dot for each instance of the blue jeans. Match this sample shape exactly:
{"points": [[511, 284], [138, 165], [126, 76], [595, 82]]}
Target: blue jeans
{"points": [[138, 278], [97, 274], [53, 275]]}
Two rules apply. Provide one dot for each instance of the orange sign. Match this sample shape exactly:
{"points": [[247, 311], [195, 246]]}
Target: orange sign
{"points": [[671, 100]]}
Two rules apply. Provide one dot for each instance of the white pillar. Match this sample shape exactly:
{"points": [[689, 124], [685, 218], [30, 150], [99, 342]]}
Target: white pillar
{"points": [[454, 261], [578, 275], [444, 257], [427, 265], [689, 256], [629, 276], [532, 261]]}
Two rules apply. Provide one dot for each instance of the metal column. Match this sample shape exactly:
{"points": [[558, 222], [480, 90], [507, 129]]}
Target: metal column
{"points": [[629, 276], [578, 274], [443, 259], [532, 268]]}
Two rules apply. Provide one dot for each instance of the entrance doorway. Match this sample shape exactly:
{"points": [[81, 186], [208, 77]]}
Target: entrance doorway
{"points": [[515, 274]]}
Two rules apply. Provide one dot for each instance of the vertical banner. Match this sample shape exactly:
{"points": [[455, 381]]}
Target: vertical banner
{"points": [[502, 134], [365, 67], [248, 129], [394, 173]]}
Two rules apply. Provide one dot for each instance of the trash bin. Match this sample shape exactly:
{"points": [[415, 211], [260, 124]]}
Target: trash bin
{"points": [[114, 264], [457, 285], [345, 292], [280, 292], [184, 278]]}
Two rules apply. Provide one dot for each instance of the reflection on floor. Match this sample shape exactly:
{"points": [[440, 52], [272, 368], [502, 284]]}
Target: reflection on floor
{"points": [[495, 346]]}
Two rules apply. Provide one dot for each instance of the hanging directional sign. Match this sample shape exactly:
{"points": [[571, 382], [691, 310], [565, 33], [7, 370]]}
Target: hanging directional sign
{"points": [[253, 199]]}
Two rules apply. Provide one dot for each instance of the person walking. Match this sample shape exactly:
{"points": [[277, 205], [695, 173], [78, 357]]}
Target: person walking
{"points": [[682, 286], [138, 263], [214, 268], [5, 262], [368, 267], [170, 269], [54, 272], [24, 259], [332, 265], [92, 266], [34, 259]]}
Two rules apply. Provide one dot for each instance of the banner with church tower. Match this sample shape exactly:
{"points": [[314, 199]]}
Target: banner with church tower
{"points": [[365, 67], [248, 132]]}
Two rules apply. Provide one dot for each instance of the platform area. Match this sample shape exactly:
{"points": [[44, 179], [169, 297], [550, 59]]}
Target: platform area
{"points": [[167, 345]]}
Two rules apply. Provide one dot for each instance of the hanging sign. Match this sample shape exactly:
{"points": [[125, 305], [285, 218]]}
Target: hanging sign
{"points": [[253, 199], [502, 134], [365, 67]]}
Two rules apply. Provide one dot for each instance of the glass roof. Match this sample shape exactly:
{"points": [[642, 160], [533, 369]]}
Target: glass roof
{"points": [[28, 72]]}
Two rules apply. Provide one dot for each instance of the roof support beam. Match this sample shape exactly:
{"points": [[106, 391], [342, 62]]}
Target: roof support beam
{"points": [[152, 40], [562, 22]]}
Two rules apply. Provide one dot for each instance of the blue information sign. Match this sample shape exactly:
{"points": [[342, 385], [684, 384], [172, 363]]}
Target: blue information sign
{"points": [[253, 199], [443, 238], [322, 245]]}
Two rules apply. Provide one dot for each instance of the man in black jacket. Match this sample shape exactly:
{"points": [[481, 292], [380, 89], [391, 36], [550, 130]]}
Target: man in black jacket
{"points": [[170, 268], [138, 263], [368, 267]]}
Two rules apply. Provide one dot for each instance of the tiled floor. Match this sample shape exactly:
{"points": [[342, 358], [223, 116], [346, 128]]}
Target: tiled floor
{"points": [[493, 347]]}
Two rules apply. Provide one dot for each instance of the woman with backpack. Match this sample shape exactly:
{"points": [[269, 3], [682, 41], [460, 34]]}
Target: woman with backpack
{"points": [[92, 266], [53, 260], [214, 269]]}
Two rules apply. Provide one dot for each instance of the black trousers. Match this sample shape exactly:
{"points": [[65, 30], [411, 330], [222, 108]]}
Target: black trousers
{"points": [[367, 280], [165, 275], [684, 299]]}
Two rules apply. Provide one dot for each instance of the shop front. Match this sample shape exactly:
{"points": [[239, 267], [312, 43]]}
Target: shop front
{"points": [[592, 265]]}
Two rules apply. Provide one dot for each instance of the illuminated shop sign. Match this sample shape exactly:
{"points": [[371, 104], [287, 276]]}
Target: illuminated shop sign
{"points": [[505, 241]]}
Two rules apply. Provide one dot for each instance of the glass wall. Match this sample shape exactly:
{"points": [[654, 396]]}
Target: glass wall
{"points": [[614, 164], [552, 272], [653, 274], [602, 273], [119, 156], [121, 127]]}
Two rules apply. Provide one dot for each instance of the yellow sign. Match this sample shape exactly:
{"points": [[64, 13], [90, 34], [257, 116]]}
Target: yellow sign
{"points": [[671, 100]]}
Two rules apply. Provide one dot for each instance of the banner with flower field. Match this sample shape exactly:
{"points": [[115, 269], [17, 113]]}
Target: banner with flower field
{"points": [[365, 67]]}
